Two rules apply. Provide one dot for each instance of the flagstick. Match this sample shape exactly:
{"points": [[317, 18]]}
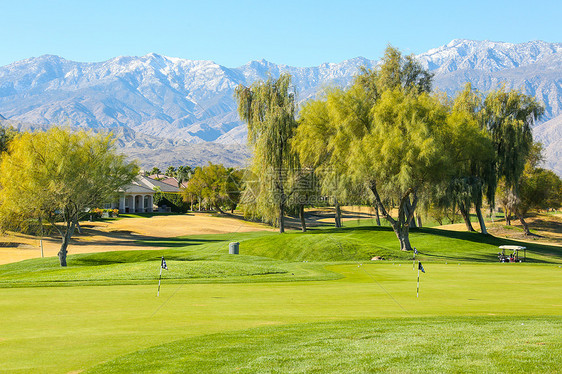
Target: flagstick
{"points": [[160, 277], [418, 289]]}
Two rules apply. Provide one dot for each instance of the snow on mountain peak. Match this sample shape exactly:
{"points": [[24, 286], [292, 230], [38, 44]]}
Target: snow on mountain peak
{"points": [[177, 98]]}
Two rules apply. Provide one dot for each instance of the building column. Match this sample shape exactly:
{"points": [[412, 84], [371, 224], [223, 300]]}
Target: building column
{"points": [[150, 203], [122, 204], [133, 208]]}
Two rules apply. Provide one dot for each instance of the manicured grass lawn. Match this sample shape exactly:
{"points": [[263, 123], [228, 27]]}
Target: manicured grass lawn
{"points": [[421, 345], [70, 328], [351, 314], [266, 256]]}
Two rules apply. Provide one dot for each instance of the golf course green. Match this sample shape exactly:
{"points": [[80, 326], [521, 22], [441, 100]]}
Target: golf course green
{"points": [[292, 303]]}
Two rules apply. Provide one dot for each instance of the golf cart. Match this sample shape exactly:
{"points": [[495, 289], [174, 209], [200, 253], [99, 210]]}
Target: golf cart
{"points": [[514, 256]]}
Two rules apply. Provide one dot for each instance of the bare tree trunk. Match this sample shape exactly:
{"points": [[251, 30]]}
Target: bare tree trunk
{"points": [[523, 223], [281, 217], [63, 251], [283, 199], [301, 215], [507, 216], [378, 218], [404, 238], [401, 226], [408, 210], [338, 214], [419, 221], [66, 235], [481, 220], [466, 217]]}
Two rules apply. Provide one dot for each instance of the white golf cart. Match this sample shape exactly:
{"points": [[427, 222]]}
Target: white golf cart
{"points": [[514, 256]]}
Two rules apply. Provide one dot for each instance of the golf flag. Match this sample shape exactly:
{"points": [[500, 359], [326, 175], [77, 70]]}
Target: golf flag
{"points": [[162, 266], [420, 267], [415, 251]]}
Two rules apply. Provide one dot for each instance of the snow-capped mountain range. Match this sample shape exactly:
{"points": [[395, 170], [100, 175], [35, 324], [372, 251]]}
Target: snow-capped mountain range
{"points": [[181, 101]]}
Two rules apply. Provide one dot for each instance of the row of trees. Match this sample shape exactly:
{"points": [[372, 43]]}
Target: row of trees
{"points": [[182, 173], [388, 138], [215, 186]]}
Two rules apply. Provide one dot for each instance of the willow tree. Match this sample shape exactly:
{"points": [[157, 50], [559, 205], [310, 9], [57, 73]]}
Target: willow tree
{"points": [[509, 116], [405, 151], [323, 137], [474, 174], [269, 110], [58, 175], [397, 72]]}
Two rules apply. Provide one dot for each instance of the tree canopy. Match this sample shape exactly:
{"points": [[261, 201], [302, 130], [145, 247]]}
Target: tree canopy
{"points": [[269, 110], [58, 175], [216, 186]]}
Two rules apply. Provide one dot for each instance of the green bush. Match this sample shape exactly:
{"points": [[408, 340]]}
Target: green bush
{"points": [[172, 200]]}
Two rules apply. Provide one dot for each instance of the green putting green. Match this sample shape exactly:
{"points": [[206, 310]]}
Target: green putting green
{"points": [[62, 329], [102, 313]]}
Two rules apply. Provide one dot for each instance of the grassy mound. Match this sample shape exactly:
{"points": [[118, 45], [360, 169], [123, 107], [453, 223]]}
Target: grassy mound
{"points": [[265, 256], [515, 345], [142, 267], [363, 243]]}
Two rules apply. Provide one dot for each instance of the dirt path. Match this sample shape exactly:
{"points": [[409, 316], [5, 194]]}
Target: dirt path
{"points": [[121, 235]]}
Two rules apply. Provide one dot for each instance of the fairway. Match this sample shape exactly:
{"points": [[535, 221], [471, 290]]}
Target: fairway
{"points": [[72, 328], [313, 302]]}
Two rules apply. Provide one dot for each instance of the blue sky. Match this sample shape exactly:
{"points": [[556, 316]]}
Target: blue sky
{"points": [[231, 33]]}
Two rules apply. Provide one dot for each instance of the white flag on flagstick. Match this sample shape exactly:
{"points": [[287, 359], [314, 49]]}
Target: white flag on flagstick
{"points": [[163, 264]]}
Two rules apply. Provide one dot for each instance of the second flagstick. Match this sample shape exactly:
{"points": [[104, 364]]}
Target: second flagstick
{"points": [[420, 267]]}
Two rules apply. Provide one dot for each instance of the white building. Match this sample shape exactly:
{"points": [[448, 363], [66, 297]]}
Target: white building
{"points": [[138, 197]]}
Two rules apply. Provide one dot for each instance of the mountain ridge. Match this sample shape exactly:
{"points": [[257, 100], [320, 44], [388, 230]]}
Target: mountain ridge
{"points": [[192, 100]]}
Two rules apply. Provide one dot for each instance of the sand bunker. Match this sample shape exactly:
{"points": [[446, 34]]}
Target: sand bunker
{"points": [[123, 234]]}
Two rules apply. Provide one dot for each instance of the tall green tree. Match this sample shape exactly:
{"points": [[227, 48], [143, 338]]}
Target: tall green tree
{"points": [[540, 189], [406, 151], [216, 186], [156, 171], [170, 171], [58, 175], [509, 116], [183, 174], [6, 135], [269, 110], [474, 173], [321, 144]]}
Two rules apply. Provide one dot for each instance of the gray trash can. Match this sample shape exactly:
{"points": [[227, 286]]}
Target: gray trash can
{"points": [[233, 248]]}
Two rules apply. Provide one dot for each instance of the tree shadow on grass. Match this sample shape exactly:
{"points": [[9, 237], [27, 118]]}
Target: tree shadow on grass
{"points": [[333, 230], [543, 249], [126, 238]]}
